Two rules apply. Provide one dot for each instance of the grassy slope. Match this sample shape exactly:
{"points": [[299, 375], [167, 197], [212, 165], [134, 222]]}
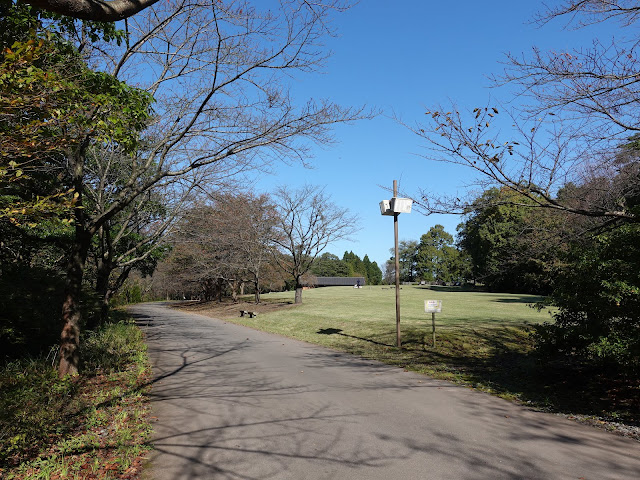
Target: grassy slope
{"points": [[483, 340]]}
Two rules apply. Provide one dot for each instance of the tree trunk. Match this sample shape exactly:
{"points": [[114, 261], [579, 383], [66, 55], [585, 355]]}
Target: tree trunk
{"points": [[233, 283], [71, 315], [256, 284], [220, 288], [69, 356], [298, 292], [208, 289]]}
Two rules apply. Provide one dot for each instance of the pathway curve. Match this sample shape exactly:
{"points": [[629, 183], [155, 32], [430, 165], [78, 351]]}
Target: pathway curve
{"points": [[235, 403]]}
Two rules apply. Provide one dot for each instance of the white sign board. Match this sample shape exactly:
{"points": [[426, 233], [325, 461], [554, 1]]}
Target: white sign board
{"points": [[401, 205], [433, 306]]}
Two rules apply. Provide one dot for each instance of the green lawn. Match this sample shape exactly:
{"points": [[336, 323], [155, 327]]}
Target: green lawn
{"points": [[484, 340], [369, 314]]}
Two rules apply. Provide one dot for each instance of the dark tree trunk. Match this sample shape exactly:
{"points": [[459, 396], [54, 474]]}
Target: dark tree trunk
{"points": [[106, 289], [233, 283], [220, 288], [69, 355], [71, 314], [209, 289]]}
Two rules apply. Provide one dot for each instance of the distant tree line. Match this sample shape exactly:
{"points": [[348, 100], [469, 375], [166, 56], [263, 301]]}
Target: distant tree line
{"points": [[231, 244], [351, 265]]}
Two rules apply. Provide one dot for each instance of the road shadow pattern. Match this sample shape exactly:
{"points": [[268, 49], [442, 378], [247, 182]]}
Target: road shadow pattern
{"points": [[222, 440]]}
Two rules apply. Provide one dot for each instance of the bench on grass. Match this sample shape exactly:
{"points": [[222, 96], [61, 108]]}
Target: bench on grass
{"points": [[245, 312]]}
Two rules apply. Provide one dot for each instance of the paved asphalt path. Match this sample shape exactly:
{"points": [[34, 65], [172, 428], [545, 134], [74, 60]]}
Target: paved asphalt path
{"points": [[234, 403]]}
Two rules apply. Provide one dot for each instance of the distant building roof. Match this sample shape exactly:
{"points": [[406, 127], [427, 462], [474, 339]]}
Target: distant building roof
{"points": [[338, 281]]}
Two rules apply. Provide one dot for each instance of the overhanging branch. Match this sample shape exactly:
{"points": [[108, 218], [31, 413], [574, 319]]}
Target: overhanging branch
{"points": [[95, 10]]}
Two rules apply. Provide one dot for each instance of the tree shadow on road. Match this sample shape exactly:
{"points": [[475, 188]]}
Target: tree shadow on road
{"points": [[222, 417]]}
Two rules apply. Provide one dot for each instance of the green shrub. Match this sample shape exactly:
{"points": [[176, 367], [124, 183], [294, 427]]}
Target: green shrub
{"points": [[598, 296], [112, 348]]}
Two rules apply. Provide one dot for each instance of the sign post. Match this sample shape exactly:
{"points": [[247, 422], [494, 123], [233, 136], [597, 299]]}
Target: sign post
{"points": [[433, 307]]}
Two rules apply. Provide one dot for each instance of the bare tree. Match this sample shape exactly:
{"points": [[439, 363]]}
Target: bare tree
{"points": [[536, 160], [198, 260], [132, 239], [219, 73], [247, 225], [573, 131], [308, 223], [389, 273], [224, 243], [598, 84]]}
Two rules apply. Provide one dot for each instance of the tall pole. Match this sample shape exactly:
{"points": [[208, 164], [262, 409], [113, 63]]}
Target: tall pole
{"points": [[395, 233]]}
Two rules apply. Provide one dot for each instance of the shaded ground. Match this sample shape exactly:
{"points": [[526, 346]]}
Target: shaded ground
{"points": [[93, 426]]}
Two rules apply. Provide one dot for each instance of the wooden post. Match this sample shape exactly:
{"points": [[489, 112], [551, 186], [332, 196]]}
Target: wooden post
{"points": [[395, 232], [433, 327]]}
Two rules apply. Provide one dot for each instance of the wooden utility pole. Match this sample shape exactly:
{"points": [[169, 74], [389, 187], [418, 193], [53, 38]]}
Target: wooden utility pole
{"points": [[395, 233], [395, 207]]}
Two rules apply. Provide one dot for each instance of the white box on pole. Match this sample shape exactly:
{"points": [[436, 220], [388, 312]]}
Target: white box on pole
{"points": [[401, 205], [385, 208]]}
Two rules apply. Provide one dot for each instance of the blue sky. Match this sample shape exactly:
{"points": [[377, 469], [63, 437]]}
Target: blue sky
{"points": [[404, 57]]}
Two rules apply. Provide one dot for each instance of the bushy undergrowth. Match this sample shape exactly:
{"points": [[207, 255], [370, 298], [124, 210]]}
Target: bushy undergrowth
{"points": [[613, 343], [90, 426], [598, 297]]}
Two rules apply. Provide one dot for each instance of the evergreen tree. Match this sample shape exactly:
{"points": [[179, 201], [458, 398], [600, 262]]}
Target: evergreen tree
{"points": [[329, 265], [374, 274], [354, 264], [436, 256], [513, 247]]}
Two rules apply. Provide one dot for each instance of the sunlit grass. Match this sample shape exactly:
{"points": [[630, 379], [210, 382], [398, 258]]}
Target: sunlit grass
{"points": [[370, 313], [472, 327]]}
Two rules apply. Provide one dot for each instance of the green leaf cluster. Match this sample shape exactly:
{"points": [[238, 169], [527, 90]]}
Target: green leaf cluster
{"points": [[598, 294], [513, 247], [51, 104], [436, 257]]}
